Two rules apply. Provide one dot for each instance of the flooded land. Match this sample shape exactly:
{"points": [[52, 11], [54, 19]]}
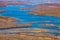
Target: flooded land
{"points": [[21, 20]]}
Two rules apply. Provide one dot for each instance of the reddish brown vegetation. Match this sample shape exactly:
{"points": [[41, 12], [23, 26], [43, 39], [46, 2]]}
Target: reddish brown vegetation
{"points": [[52, 5], [47, 10], [59, 27], [17, 2], [4, 3], [26, 8], [2, 10], [43, 6]]}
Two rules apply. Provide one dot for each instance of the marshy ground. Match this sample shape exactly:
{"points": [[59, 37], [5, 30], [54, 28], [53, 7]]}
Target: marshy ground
{"points": [[27, 22]]}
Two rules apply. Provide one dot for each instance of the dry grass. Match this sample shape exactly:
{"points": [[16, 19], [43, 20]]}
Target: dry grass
{"points": [[27, 34], [22, 36], [19, 35], [7, 22]]}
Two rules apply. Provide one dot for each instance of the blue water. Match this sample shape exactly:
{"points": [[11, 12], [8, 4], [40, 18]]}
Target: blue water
{"points": [[25, 18]]}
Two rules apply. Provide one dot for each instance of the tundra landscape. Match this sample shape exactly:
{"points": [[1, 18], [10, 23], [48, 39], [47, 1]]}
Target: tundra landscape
{"points": [[29, 20]]}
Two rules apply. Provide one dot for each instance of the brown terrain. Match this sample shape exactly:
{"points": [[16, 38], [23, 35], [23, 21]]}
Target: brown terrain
{"points": [[47, 10], [41, 9], [59, 27], [29, 24], [6, 22], [28, 30], [26, 8], [2, 10], [23, 36], [4, 3], [28, 36]]}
